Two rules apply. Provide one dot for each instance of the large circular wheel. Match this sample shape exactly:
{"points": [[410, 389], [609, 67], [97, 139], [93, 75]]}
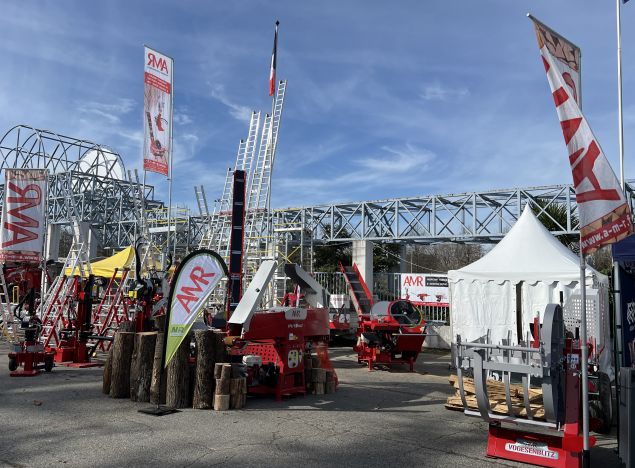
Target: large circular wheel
{"points": [[13, 364], [48, 363]]}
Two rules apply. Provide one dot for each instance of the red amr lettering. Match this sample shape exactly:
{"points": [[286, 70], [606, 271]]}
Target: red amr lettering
{"points": [[188, 294], [583, 169], [159, 64], [24, 202]]}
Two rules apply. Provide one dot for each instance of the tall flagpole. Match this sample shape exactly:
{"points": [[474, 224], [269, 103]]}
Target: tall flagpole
{"points": [[619, 90], [170, 175]]}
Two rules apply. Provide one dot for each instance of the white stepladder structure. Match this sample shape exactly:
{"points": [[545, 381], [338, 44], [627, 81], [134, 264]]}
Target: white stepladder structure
{"points": [[59, 297], [256, 156]]}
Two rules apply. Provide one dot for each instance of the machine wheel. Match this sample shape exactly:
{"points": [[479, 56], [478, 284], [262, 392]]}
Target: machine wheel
{"points": [[13, 364], [48, 363]]}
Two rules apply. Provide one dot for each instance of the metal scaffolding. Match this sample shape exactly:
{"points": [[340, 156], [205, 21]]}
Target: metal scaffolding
{"points": [[93, 174]]}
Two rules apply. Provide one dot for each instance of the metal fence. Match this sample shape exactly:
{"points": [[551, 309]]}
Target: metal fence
{"points": [[386, 287]]}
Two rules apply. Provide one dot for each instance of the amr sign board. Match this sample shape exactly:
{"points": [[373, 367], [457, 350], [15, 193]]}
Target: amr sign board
{"points": [[23, 215], [425, 290]]}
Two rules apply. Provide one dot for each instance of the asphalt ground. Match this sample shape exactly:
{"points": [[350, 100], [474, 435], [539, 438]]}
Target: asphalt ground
{"points": [[380, 418]]}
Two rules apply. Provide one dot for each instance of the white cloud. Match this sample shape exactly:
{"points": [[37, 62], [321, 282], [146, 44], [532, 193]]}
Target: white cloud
{"points": [[237, 111], [438, 92], [111, 112], [399, 160], [181, 118]]}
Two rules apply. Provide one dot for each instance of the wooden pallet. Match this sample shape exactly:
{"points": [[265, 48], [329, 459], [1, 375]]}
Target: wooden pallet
{"points": [[497, 401]]}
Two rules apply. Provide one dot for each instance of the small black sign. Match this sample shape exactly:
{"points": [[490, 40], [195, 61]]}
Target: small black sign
{"points": [[437, 281]]}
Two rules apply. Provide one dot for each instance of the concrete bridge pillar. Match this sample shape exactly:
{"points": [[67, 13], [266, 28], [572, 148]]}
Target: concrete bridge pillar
{"points": [[362, 254], [52, 247], [88, 236]]}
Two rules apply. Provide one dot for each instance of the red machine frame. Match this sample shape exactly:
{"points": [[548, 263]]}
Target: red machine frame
{"points": [[395, 343], [382, 338]]}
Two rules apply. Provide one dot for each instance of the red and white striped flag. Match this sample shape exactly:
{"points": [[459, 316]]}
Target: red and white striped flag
{"points": [[604, 213], [272, 71]]}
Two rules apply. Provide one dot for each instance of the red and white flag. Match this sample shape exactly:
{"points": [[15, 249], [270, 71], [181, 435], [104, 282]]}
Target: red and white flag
{"points": [[604, 213], [272, 71]]}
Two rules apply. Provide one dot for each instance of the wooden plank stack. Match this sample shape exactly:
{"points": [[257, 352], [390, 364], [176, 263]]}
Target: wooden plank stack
{"points": [[497, 401], [318, 381]]}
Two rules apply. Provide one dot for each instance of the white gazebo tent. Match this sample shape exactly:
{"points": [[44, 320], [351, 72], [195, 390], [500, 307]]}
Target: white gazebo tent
{"points": [[504, 290]]}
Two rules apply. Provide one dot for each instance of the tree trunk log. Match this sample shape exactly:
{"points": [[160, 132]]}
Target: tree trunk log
{"points": [[121, 357], [141, 366], [159, 323], [218, 369], [219, 343], [235, 393], [178, 382], [205, 367], [126, 326], [159, 375], [105, 388]]}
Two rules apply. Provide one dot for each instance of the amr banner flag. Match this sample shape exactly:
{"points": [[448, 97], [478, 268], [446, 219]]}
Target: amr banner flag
{"points": [[23, 215], [604, 214], [425, 290], [567, 57], [193, 283], [157, 111]]}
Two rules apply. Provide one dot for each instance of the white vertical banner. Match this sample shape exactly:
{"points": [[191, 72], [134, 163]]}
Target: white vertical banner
{"points": [[567, 57], [193, 282], [605, 216], [157, 111], [23, 215]]}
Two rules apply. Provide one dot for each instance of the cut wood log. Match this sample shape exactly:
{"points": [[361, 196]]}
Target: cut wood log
{"points": [[205, 369], [218, 369], [121, 357], [126, 326], [235, 393], [159, 375], [219, 344], [159, 323], [221, 402], [142, 366], [105, 386], [178, 381], [318, 375]]}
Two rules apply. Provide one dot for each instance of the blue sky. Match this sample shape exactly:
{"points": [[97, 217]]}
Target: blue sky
{"points": [[384, 99]]}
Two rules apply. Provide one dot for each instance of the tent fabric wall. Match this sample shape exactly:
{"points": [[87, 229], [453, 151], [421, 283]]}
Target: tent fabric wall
{"points": [[483, 294]]}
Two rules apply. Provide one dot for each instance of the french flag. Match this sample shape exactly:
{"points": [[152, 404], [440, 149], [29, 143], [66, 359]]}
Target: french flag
{"points": [[272, 72]]}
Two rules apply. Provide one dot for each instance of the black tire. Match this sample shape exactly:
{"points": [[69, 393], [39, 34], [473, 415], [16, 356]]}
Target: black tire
{"points": [[48, 363], [13, 364]]}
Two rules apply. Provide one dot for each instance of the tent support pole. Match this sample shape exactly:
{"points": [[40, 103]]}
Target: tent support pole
{"points": [[584, 362]]}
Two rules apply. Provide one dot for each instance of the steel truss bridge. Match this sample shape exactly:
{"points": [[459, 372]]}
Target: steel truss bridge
{"points": [[102, 193], [482, 217]]}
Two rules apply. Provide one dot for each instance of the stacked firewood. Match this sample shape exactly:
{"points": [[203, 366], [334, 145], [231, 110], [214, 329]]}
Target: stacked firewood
{"points": [[231, 388], [133, 370], [497, 400], [318, 380]]}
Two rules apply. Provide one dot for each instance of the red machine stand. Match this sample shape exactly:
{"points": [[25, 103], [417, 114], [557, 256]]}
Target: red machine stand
{"points": [[535, 448], [289, 364], [31, 356], [73, 353]]}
